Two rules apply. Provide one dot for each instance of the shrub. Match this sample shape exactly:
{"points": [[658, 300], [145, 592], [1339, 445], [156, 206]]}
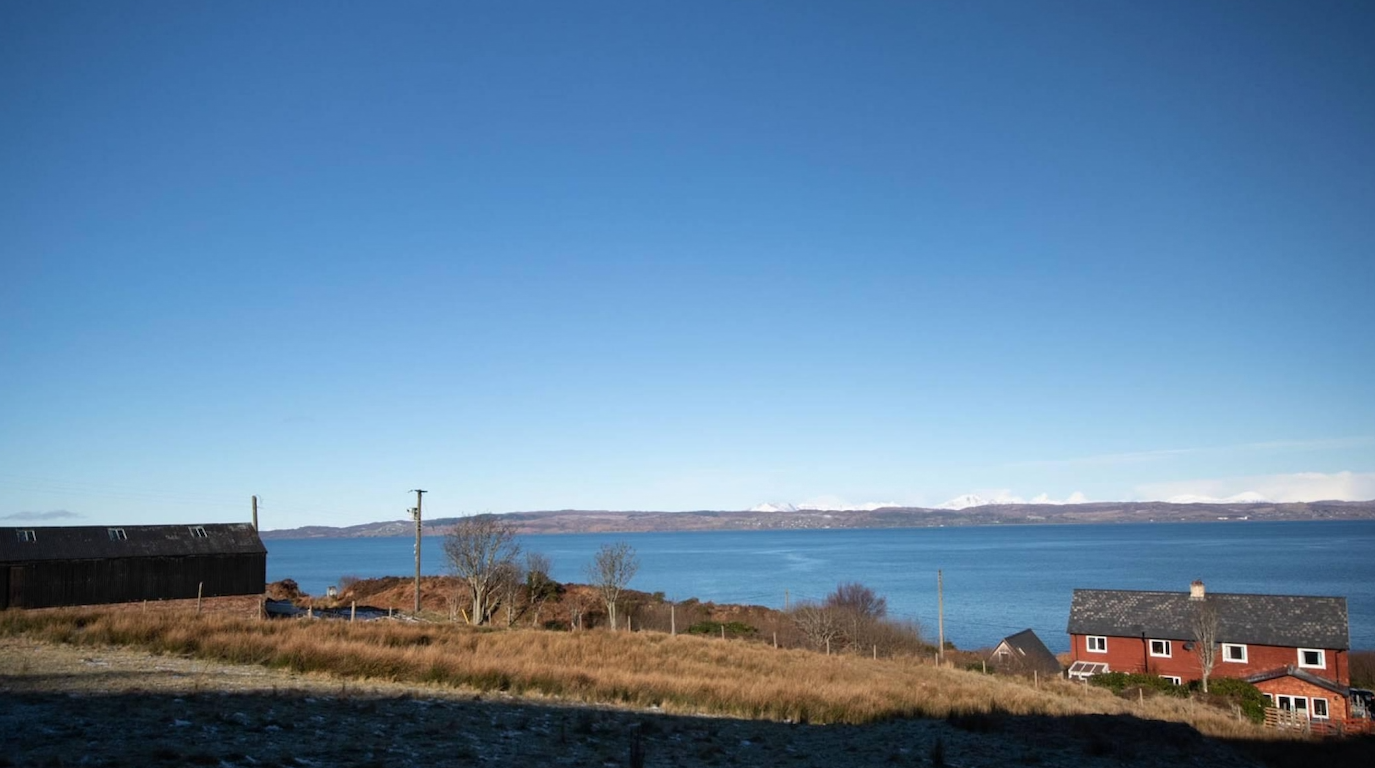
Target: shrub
{"points": [[1117, 682], [1238, 692], [733, 628]]}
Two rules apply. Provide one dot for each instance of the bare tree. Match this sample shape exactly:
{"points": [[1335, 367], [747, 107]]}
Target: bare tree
{"points": [[539, 587], [579, 605], [478, 548], [507, 590], [1204, 625], [819, 624], [859, 611], [611, 570], [856, 597]]}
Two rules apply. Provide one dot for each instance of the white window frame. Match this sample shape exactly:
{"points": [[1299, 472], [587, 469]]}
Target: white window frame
{"points": [[1176, 679], [1167, 645], [26, 535], [1297, 704], [1228, 659], [117, 534], [1322, 658], [1102, 643], [1313, 709], [198, 532]]}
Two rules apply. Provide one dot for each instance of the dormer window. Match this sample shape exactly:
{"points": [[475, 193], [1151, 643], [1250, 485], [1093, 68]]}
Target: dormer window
{"points": [[198, 532], [117, 534], [26, 535]]}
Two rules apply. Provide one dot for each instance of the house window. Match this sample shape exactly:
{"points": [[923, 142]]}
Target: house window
{"points": [[198, 532], [26, 535], [1173, 679], [1097, 644], [1320, 708], [1296, 704], [1234, 652], [1312, 657], [1161, 648], [117, 534]]}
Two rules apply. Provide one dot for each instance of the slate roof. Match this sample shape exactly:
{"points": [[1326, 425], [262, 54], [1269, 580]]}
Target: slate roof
{"points": [[1307, 677], [91, 542], [1290, 621], [1031, 652]]}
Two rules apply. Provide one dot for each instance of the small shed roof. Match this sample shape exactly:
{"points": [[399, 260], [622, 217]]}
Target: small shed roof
{"points": [[1295, 672], [19, 544], [1029, 652], [1292, 621]]}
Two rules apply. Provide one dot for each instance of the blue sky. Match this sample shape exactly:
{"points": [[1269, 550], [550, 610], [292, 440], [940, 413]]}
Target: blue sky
{"points": [[680, 256]]}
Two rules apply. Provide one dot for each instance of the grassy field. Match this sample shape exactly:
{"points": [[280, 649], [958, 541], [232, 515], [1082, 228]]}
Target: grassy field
{"points": [[675, 673]]}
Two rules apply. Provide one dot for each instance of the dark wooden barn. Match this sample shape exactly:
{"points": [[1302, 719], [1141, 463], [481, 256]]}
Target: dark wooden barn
{"points": [[85, 565]]}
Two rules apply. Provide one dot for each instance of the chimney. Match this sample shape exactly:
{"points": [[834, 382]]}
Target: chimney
{"points": [[1196, 590]]}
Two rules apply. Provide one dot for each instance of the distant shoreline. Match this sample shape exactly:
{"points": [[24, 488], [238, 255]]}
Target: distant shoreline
{"points": [[1099, 513]]}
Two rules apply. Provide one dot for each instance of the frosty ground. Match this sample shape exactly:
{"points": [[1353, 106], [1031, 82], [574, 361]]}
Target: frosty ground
{"points": [[64, 705]]}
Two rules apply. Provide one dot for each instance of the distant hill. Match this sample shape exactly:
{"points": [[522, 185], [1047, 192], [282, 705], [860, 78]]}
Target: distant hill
{"points": [[601, 521]]}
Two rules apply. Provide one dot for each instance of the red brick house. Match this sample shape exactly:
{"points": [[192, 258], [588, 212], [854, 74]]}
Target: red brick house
{"points": [[1294, 648]]}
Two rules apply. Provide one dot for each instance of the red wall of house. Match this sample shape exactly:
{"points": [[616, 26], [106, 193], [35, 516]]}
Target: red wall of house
{"points": [[1129, 654], [1336, 703]]}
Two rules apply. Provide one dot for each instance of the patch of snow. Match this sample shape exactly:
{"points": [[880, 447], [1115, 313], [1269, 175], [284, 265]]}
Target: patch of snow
{"points": [[1246, 497]]}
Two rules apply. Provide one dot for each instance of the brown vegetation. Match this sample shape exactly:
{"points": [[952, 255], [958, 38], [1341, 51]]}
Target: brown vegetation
{"points": [[1363, 669], [683, 673]]}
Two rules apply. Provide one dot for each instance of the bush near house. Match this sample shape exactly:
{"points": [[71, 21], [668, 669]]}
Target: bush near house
{"points": [[1222, 691], [1238, 692], [1117, 682]]}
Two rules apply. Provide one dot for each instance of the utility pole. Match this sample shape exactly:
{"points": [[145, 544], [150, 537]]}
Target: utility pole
{"points": [[940, 617], [255, 513], [416, 512]]}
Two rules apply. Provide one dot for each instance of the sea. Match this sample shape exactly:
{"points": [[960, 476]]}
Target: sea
{"points": [[994, 580]]}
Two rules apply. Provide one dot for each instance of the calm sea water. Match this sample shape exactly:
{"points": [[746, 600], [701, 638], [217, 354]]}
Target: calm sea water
{"points": [[998, 579]]}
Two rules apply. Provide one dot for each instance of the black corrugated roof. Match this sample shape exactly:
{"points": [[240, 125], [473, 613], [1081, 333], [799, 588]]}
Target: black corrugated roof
{"points": [[90, 542], [1285, 620]]}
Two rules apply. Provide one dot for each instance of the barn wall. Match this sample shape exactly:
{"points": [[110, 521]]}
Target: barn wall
{"points": [[89, 582]]}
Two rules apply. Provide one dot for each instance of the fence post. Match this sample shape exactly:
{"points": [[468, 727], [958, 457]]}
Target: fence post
{"points": [[353, 611], [200, 588]]}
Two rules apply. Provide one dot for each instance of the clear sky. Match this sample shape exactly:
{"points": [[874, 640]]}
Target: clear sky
{"points": [[680, 255]]}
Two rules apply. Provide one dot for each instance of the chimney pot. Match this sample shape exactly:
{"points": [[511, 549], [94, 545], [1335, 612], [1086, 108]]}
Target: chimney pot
{"points": [[1196, 590]]}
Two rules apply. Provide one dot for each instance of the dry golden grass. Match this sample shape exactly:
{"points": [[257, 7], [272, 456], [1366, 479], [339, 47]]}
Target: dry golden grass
{"points": [[677, 673]]}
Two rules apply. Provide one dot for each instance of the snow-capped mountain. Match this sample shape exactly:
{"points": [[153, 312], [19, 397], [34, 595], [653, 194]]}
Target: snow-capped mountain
{"points": [[773, 508], [1248, 497], [964, 502], [823, 507], [974, 500]]}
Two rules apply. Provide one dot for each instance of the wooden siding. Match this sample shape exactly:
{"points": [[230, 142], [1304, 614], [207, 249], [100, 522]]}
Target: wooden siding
{"points": [[52, 583]]}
